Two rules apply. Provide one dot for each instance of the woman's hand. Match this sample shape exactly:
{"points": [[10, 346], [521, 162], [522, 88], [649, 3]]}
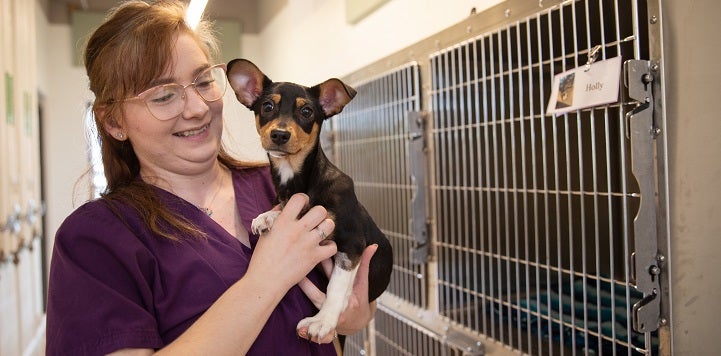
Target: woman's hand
{"points": [[359, 311], [291, 249]]}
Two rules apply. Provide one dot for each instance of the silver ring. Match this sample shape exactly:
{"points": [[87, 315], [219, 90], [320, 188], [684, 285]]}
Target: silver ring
{"points": [[321, 233]]}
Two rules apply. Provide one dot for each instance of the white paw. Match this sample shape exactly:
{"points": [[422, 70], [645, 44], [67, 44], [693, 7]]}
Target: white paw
{"points": [[319, 326], [264, 222]]}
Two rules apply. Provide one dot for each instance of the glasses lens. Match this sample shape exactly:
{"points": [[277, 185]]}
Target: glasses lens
{"points": [[165, 101], [211, 84]]}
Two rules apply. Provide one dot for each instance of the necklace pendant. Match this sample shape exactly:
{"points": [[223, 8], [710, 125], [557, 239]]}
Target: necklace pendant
{"points": [[207, 211]]}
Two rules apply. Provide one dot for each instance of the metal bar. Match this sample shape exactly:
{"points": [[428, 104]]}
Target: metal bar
{"points": [[544, 156], [418, 202], [434, 295], [441, 213], [485, 235], [452, 262], [510, 118], [467, 193], [583, 250], [447, 179], [559, 245], [413, 91], [597, 220], [612, 246], [501, 121], [477, 209], [496, 226], [534, 181], [524, 184]]}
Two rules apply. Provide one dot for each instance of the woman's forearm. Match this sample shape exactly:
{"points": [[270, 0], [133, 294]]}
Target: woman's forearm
{"points": [[233, 322]]}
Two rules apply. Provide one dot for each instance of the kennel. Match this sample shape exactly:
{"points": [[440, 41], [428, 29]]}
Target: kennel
{"points": [[514, 230]]}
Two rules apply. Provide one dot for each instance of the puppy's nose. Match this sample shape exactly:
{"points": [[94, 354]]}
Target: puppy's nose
{"points": [[279, 137]]}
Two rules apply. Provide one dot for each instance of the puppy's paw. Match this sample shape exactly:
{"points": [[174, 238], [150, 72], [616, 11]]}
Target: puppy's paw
{"points": [[264, 222], [319, 326]]}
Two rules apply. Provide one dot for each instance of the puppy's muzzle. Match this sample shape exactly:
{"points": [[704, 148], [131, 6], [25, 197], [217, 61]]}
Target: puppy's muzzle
{"points": [[280, 137]]}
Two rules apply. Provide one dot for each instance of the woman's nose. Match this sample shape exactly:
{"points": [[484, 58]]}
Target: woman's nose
{"points": [[194, 104]]}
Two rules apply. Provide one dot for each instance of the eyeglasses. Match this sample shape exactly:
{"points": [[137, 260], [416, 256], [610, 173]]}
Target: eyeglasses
{"points": [[167, 101]]}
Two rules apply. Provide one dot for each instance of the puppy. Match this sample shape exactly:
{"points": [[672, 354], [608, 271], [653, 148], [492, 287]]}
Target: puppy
{"points": [[289, 118]]}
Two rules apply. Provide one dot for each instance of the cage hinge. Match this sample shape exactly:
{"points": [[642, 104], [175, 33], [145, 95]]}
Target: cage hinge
{"points": [[642, 133], [417, 158]]}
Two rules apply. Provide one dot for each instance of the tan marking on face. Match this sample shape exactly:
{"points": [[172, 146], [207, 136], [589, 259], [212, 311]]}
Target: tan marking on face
{"points": [[300, 144], [300, 102], [275, 98], [264, 131], [299, 139]]}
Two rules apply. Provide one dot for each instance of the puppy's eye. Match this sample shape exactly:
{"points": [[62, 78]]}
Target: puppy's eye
{"points": [[307, 112], [268, 106]]}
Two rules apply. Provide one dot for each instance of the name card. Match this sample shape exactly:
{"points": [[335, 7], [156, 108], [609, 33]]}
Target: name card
{"points": [[594, 84]]}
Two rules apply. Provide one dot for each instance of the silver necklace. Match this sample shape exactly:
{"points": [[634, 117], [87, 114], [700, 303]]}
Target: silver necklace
{"points": [[207, 210]]}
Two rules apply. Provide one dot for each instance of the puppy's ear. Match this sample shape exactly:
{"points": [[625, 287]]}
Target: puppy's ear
{"points": [[246, 80], [334, 95]]}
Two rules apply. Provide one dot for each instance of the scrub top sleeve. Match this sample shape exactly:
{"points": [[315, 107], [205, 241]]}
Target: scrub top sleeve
{"points": [[100, 287]]}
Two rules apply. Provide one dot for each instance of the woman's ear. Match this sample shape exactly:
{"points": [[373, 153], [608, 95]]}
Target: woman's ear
{"points": [[111, 127]]}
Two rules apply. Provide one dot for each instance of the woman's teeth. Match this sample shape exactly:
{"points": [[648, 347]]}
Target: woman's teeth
{"points": [[192, 132]]}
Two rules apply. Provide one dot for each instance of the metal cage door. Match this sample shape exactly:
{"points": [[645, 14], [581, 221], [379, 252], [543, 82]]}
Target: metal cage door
{"points": [[511, 226]]}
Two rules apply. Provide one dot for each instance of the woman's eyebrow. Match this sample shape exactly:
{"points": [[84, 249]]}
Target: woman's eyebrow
{"points": [[169, 80], [160, 81], [200, 70]]}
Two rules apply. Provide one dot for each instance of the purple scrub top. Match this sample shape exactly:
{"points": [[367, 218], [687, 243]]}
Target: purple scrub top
{"points": [[113, 284]]}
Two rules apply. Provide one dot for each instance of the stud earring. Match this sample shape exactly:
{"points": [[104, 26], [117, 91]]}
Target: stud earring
{"points": [[119, 135]]}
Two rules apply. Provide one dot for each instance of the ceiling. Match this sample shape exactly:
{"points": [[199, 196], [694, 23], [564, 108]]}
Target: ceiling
{"points": [[245, 11]]}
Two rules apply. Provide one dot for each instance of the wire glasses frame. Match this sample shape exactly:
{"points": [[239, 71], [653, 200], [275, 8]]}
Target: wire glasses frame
{"points": [[167, 101]]}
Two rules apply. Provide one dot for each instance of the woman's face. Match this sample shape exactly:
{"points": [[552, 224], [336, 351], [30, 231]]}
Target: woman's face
{"points": [[183, 145]]}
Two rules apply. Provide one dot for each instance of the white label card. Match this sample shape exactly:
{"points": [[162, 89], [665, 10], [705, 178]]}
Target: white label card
{"points": [[586, 86]]}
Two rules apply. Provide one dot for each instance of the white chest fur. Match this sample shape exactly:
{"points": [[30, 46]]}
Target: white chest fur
{"points": [[285, 171]]}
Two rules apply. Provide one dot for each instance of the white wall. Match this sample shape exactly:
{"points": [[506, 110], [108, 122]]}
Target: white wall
{"points": [[692, 77], [310, 41], [64, 145]]}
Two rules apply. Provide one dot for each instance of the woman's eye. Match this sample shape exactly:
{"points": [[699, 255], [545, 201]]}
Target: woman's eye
{"points": [[268, 106], [204, 84], [306, 112], [163, 96]]}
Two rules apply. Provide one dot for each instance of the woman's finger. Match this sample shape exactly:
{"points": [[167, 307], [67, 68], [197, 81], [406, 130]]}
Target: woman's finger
{"points": [[324, 229], [327, 266], [295, 205], [362, 275], [314, 217], [312, 292], [303, 333]]}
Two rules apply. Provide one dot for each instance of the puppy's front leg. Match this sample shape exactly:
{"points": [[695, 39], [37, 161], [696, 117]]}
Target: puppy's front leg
{"points": [[339, 290], [264, 221]]}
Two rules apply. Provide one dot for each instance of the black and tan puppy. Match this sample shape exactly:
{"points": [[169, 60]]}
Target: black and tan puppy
{"points": [[289, 118]]}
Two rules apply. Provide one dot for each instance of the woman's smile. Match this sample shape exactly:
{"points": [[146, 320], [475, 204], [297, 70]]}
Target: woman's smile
{"points": [[193, 132]]}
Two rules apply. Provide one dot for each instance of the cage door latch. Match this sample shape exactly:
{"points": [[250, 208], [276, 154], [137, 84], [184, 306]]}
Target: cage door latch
{"points": [[417, 161], [642, 134]]}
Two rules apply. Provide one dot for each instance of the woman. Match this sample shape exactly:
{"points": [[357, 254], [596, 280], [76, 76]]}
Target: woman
{"points": [[162, 262]]}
